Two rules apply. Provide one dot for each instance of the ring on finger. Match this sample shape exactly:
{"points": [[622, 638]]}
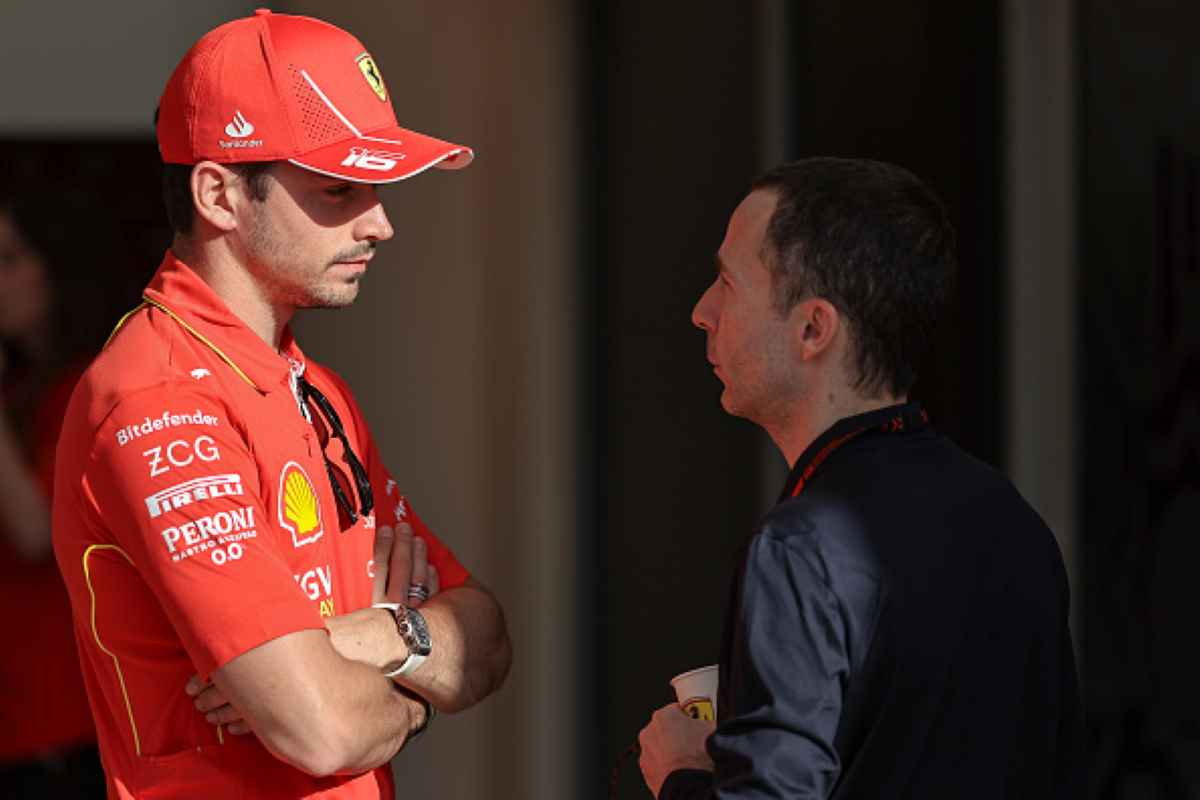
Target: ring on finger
{"points": [[418, 591]]}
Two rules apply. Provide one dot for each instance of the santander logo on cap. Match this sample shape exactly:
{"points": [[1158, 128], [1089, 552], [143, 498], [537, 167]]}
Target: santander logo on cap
{"points": [[277, 87], [239, 128]]}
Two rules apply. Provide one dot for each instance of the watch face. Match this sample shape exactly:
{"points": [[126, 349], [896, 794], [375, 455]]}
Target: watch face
{"points": [[420, 643]]}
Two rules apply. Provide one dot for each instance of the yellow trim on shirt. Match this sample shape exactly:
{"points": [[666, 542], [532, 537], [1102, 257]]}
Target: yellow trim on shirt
{"points": [[121, 323], [204, 339], [146, 301], [137, 744], [87, 575]]}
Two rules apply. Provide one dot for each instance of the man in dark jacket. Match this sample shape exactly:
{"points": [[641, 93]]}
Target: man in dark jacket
{"points": [[899, 624]]}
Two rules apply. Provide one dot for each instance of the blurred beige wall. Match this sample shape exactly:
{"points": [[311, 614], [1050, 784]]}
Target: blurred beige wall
{"points": [[1039, 57], [462, 351], [461, 347]]}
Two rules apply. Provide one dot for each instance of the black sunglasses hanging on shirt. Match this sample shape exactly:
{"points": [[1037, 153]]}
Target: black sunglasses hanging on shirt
{"points": [[306, 392]]}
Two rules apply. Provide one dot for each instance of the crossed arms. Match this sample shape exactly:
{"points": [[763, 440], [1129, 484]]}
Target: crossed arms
{"points": [[316, 698], [319, 701], [325, 714]]}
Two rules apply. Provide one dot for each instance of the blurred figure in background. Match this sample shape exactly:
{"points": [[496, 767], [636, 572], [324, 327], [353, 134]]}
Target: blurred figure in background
{"points": [[47, 746]]}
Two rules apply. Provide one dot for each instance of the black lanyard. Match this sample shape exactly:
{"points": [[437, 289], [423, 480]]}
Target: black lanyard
{"points": [[899, 420]]}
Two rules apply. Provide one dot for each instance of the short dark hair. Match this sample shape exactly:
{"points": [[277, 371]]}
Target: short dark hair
{"points": [[177, 190], [876, 243]]}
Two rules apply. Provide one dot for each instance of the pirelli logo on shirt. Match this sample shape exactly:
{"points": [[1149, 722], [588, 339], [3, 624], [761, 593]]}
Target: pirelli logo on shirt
{"points": [[197, 489]]}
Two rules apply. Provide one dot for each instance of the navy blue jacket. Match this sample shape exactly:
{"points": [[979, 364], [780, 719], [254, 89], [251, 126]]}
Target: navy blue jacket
{"points": [[897, 630]]}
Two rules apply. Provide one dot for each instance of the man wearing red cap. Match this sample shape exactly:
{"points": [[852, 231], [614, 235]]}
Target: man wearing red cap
{"points": [[238, 558]]}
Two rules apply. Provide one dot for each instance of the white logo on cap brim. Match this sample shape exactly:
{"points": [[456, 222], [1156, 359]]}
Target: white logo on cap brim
{"points": [[378, 160]]}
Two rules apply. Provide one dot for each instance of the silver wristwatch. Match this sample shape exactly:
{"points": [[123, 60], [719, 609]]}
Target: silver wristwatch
{"points": [[415, 633]]}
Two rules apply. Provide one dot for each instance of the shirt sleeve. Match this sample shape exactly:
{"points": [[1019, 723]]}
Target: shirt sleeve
{"points": [[687, 784], [450, 572], [172, 479], [788, 666]]}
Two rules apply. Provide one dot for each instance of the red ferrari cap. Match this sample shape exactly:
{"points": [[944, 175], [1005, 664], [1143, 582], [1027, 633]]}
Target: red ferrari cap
{"points": [[276, 87]]}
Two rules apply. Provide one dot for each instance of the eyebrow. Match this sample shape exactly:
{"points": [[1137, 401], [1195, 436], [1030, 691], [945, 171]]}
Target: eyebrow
{"points": [[721, 266]]}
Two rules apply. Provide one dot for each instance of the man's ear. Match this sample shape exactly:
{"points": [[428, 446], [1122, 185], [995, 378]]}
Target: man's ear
{"points": [[216, 191], [815, 323]]}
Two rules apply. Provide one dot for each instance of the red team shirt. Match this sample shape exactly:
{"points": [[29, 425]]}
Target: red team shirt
{"points": [[193, 521]]}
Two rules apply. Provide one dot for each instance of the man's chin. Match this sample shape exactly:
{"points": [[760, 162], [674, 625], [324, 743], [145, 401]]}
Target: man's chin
{"points": [[341, 297], [729, 403], [736, 407]]}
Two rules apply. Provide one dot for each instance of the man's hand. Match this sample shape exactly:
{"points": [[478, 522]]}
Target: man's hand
{"points": [[215, 706], [401, 566], [673, 740], [367, 635]]}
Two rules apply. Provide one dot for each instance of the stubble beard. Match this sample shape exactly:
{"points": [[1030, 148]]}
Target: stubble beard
{"points": [[341, 293], [327, 292], [322, 296], [768, 397], [287, 283]]}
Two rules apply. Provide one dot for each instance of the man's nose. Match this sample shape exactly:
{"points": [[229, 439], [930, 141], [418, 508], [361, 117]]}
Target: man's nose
{"points": [[701, 314], [375, 225]]}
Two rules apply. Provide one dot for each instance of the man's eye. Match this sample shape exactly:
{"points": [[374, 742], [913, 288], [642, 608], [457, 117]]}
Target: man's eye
{"points": [[341, 190]]}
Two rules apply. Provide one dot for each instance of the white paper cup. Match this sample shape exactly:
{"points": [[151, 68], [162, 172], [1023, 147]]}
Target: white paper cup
{"points": [[696, 692]]}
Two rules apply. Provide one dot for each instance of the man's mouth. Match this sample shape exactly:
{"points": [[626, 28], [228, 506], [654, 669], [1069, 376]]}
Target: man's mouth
{"points": [[359, 256]]}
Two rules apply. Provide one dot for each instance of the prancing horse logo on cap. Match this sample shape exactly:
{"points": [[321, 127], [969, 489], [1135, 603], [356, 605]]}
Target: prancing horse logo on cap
{"points": [[371, 73]]}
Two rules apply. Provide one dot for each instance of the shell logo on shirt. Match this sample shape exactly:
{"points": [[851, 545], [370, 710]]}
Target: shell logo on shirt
{"points": [[299, 507]]}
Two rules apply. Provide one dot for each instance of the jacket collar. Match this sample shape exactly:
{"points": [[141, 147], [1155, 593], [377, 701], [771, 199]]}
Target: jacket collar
{"points": [[900, 418]]}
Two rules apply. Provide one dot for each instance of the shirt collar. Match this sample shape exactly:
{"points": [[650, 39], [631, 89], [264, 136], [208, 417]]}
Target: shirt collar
{"points": [[899, 418], [176, 288]]}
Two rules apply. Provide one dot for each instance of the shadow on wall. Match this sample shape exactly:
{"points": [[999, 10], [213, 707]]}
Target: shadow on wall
{"points": [[94, 207], [80, 231]]}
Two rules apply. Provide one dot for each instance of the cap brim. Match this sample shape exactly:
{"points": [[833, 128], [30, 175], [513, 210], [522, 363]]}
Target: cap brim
{"points": [[385, 156]]}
